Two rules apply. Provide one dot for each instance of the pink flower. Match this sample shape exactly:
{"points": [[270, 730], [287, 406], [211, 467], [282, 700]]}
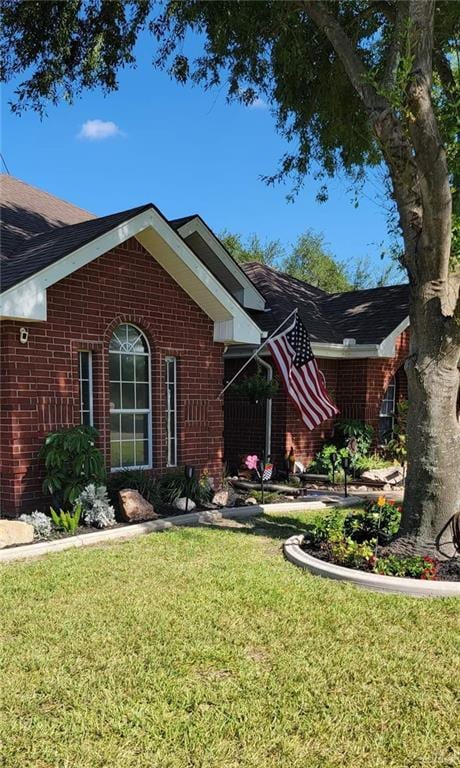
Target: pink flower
{"points": [[251, 462]]}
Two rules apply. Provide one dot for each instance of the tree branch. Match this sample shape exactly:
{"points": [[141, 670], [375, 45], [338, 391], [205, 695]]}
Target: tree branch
{"points": [[430, 155], [400, 18]]}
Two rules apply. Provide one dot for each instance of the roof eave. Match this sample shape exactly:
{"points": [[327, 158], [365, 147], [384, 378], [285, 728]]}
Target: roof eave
{"points": [[232, 325]]}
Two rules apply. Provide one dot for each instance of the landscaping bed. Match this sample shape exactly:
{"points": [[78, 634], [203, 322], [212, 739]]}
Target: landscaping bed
{"points": [[362, 539]]}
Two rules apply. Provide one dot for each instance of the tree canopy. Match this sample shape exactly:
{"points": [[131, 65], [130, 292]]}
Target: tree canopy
{"points": [[309, 259]]}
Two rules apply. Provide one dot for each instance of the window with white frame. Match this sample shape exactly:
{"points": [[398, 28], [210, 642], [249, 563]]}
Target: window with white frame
{"points": [[171, 410], [85, 379], [130, 399], [387, 412]]}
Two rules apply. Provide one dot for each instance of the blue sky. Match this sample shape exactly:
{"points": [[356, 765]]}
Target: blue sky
{"points": [[187, 151]]}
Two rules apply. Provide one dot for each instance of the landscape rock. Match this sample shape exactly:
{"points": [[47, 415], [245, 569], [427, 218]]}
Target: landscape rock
{"points": [[391, 475], [134, 508], [210, 517], [224, 498], [251, 500], [181, 504], [15, 532]]}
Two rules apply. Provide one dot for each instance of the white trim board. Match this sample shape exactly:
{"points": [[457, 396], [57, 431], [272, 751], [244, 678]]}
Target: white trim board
{"points": [[232, 325], [252, 298], [386, 348]]}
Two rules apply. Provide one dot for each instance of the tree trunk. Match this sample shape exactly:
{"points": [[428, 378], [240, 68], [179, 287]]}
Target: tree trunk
{"points": [[432, 493]]}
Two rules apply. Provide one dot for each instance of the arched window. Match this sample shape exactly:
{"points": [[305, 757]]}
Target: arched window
{"points": [[130, 399], [387, 412]]}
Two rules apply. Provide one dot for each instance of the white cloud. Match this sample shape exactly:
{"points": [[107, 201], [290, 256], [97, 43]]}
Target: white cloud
{"points": [[97, 130], [258, 103]]}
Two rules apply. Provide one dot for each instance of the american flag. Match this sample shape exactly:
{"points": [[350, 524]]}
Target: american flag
{"points": [[298, 368]]}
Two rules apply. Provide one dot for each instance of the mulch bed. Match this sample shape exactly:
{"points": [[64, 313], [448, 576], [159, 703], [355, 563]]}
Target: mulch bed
{"points": [[448, 570]]}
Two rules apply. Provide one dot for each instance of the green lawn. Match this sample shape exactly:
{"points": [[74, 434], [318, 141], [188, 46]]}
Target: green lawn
{"points": [[204, 648]]}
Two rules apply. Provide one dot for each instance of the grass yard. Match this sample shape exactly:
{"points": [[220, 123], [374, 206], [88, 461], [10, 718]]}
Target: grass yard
{"points": [[204, 648]]}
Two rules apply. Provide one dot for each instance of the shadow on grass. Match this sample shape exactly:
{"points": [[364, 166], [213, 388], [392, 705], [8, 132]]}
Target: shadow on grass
{"points": [[265, 525]]}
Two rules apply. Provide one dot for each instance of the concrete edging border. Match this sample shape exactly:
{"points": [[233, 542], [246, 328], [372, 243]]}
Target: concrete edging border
{"points": [[387, 584], [40, 548]]}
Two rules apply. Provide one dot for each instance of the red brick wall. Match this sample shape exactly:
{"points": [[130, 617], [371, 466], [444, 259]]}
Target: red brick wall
{"points": [[40, 379]]}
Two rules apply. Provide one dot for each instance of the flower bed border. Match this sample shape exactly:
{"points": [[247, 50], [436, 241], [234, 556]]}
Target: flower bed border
{"points": [[373, 581], [39, 548]]}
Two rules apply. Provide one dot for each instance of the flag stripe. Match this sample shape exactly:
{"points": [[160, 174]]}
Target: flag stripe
{"points": [[315, 410], [284, 372], [302, 378]]}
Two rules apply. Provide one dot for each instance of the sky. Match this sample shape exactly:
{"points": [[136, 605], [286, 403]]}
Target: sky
{"points": [[188, 151]]}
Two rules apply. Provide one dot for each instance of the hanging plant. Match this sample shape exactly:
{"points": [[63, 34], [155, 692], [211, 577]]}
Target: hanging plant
{"points": [[255, 388]]}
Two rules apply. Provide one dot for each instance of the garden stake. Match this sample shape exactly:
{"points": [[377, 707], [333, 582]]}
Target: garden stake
{"points": [[346, 466]]}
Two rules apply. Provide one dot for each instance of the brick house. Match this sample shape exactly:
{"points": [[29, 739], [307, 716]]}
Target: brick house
{"points": [[360, 340], [132, 323]]}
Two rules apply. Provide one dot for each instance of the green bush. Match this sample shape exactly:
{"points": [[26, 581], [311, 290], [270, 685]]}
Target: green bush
{"points": [[175, 485], [72, 460], [136, 480], [67, 521], [379, 520], [346, 551], [321, 528], [363, 433], [374, 461], [322, 464], [415, 567]]}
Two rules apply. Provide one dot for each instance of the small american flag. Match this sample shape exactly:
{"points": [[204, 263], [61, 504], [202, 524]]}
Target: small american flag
{"points": [[268, 471], [298, 368]]}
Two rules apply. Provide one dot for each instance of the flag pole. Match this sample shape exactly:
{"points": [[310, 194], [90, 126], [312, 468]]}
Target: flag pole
{"points": [[294, 312]]}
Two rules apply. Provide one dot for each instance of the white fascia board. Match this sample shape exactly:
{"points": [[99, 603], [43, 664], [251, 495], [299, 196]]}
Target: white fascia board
{"points": [[387, 348], [252, 298], [27, 300], [388, 345]]}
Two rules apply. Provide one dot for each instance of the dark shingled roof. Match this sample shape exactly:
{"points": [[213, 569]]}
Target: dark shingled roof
{"points": [[38, 229], [368, 316], [48, 247], [27, 211]]}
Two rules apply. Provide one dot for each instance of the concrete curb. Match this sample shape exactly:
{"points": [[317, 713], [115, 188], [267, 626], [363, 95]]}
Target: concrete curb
{"points": [[372, 581], [28, 551]]}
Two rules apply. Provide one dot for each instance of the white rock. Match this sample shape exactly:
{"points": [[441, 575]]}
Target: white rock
{"points": [[392, 475], [15, 532], [180, 504], [251, 500], [224, 498]]}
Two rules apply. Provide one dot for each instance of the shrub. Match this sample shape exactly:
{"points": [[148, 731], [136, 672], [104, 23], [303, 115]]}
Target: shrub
{"points": [[72, 461], [365, 463], [415, 567], [358, 430], [95, 505], [321, 528], [67, 521], [175, 485], [379, 520], [41, 524], [322, 463], [345, 551], [136, 480]]}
